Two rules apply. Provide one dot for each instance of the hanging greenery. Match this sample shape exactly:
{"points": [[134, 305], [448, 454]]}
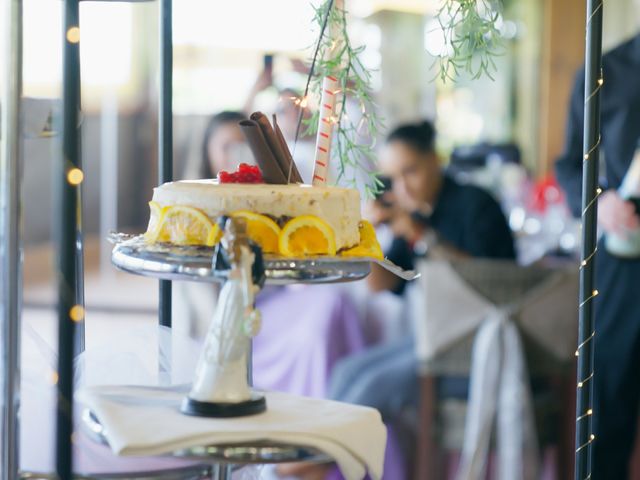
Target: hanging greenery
{"points": [[356, 131], [472, 37]]}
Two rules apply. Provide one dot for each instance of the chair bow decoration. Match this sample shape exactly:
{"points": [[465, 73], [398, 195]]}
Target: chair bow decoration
{"points": [[447, 308]]}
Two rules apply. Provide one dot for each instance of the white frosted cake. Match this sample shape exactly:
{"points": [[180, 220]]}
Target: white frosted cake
{"points": [[338, 207]]}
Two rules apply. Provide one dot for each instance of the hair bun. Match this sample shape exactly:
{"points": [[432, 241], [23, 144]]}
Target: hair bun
{"points": [[420, 135]]}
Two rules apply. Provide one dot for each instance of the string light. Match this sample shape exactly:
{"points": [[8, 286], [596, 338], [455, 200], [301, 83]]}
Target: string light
{"points": [[587, 414], [583, 465], [54, 378], [592, 149], [76, 313], [73, 35], [591, 297], [75, 176], [581, 384]]}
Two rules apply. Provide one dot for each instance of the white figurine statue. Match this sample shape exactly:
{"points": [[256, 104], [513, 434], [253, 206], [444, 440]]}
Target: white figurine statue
{"points": [[221, 385]]}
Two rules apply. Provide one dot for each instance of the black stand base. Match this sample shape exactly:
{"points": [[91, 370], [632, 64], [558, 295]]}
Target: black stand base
{"points": [[256, 404]]}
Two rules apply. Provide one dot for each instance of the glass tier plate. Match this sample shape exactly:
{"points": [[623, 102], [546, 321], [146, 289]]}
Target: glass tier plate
{"points": [[194, 263]]}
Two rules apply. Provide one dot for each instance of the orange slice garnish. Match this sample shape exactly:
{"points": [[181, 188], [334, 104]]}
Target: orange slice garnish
{"points": [[368, 246], [261, 229], [307, 235], [182, 225], [155, 218]]}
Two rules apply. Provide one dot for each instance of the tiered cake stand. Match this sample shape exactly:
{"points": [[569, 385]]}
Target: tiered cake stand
{"points": [[133, 255]]}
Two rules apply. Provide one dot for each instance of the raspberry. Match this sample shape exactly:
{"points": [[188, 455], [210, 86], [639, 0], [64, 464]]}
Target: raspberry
{"points": [[245, 174]]}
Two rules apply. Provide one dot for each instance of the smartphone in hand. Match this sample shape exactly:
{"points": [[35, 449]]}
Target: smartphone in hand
{"points": [[268, 62]]}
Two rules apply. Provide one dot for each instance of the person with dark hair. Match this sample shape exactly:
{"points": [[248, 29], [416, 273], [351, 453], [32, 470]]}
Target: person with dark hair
{"points": [[617, 312], [430, 212], [431, 215], [221, 137]]}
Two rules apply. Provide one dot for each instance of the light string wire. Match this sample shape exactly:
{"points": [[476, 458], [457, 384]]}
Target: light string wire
{"points": [[584, 352]]}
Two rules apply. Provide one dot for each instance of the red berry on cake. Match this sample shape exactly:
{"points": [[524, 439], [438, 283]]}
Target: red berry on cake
{"points": [[245, 174]]}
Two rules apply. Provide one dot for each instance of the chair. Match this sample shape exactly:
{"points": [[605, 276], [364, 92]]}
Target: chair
{"points": [[449, 304]]}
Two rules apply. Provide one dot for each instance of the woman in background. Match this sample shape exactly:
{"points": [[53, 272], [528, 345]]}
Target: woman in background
{"points": [[221, 145]]}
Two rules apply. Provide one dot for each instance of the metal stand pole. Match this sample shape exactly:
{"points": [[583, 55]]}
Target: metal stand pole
{"points": [[10, 238], [221, 471], [590, 192], [165, 132], [69, 177]]}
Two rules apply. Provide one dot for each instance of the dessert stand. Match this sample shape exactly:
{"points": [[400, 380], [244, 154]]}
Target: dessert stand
{"points": [[204, 264]]}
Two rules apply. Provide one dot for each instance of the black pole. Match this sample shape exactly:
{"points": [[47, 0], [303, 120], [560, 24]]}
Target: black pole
{"points": [[69, 177], [10, 240], [590, 192], [165, 133]]}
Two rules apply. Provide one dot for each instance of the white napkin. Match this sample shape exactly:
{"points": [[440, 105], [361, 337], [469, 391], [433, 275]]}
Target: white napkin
{"points": [[147, 421]]}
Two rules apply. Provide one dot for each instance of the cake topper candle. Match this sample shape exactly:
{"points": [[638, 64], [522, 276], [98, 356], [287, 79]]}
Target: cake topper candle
{"points": [[325, 128]]}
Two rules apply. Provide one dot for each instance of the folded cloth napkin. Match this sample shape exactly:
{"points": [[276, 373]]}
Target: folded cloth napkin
{"points": [[147, 421]]}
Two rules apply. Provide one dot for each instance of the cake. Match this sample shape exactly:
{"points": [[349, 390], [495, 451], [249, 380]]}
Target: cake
{"points": [[338, 207], [283, 216]]}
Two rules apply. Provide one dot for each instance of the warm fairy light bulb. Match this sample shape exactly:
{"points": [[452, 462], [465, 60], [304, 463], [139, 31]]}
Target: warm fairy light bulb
{"points": [[579, 384], [73, 35], [577, 353], [598, 190], [600, 81], [76, 313], [589, 412], [304, 102], [586, 157], [75, 176], [593, 437], [595, 293], [54, 378]]}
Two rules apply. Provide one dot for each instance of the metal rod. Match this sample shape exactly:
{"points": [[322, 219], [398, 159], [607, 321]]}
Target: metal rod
{"points": [[221, 471], [10, 238], [165, 133], [70, 177], [590, 192]]}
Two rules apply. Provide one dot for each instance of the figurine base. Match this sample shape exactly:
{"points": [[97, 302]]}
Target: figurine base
{"points": [[256, 404]]}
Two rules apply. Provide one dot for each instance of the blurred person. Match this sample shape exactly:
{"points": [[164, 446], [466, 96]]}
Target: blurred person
{"points": [[431, 216], [617, 311], [222, 146]]}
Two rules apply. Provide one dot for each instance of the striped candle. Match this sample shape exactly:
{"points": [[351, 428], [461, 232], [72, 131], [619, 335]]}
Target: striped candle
{"points": [[325, 128]]}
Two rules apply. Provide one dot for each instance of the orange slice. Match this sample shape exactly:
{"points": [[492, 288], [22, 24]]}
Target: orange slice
{"points": [[155, 219], [368, 246], [261, 229], [181, 225], [307, 235]]}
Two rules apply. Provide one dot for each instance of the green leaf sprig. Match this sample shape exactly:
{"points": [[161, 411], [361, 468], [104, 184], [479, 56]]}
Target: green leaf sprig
{"points": [[354, 139], [473, 38]]}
